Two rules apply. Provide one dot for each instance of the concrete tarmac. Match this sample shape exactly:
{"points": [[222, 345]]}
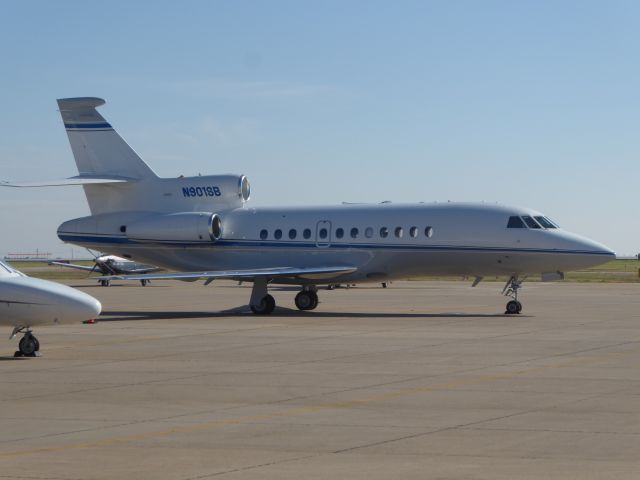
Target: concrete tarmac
{"points": [[420, 380]]}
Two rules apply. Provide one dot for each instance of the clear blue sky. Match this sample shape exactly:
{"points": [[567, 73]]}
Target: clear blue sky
{"points": [[527, 103]]}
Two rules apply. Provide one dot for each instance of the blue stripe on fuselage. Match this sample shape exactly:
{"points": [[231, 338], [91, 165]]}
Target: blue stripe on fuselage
{"points": [[95, 239]]}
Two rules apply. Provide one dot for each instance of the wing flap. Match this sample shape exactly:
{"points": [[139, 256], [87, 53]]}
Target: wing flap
{"points": [[308, 273]]}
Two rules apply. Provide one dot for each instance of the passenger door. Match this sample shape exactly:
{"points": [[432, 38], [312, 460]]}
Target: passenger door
{"points": [[323, 234]]}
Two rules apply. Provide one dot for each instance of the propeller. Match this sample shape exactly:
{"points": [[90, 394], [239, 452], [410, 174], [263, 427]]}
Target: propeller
{"points": [[96, 262]]}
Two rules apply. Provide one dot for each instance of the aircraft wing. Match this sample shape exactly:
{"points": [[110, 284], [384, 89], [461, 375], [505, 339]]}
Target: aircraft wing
{"points": [[78, 180], [141, 271], [309, 273], [72, 265]]}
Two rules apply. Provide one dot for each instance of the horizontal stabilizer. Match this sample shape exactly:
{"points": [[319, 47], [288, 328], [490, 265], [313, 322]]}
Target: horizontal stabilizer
{"points": [[311, 273], [63, 182]]}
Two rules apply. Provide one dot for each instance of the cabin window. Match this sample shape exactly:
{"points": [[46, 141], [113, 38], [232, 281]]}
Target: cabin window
{"points": [[413, 231], [277, 234], [531, 223], [384, 232], [293, 234], [368, 232], [428, 232], [545, 222], [263, 234], [515, 222], [306, 233], [339, 232], [354, 232], [323, 233], [399, 232]]}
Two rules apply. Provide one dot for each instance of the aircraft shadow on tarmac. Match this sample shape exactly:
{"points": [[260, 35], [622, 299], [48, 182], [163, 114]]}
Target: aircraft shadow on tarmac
{"points": [[120, 316]]}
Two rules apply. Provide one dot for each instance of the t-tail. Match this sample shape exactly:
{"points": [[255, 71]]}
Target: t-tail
{"points": [[128, 201], [117, 180], [100, 152]]}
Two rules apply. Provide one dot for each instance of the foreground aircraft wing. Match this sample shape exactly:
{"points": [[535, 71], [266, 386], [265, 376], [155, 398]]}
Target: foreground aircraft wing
{"points": [[78, 180], [311, 273], [73, 265]]}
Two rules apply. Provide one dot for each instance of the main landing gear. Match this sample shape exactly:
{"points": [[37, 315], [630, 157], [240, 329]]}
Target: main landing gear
{"points": [[307, 299], [29, 346], [262, 303], [511, 290]]}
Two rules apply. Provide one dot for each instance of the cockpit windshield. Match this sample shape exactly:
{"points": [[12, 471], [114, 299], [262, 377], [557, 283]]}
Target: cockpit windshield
{"points": [[545, 222], [531, 223], [535, 222]]}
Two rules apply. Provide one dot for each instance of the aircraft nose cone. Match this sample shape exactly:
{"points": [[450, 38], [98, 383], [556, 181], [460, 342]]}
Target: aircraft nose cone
{"points": [[598, 249], [87, 307]]}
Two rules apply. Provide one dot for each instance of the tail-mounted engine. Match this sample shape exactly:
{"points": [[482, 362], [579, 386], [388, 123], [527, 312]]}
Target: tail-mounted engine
{"points": [[184, 227]]}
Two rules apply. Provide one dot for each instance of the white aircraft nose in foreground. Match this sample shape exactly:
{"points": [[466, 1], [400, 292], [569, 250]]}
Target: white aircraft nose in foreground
{"points": [[29, 302], [204, 228]]}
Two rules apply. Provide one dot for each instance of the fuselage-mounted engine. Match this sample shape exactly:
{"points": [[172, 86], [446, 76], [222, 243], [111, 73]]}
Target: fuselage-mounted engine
{"points": [[177, 227]]}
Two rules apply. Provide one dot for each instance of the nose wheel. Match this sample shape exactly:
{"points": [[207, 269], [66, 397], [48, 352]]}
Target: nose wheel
{"points": [[29, 346], [513, 307], [511, 290]]}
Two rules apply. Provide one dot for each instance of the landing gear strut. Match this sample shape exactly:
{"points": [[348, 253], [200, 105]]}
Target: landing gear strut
{"points": [[261, 302], [511, 290], [29, 346], [307, 299], [105, 283]]}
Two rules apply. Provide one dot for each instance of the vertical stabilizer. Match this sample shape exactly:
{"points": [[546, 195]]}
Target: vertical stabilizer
{"points": [[96, 146], [99, 150]]}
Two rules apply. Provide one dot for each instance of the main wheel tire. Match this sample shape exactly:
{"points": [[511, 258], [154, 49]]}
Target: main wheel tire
{"points": [[513, 307], [37, 343], [28, 345], [304, 300], [266, 306], [104, 283], [315, 300], [143, 283]]}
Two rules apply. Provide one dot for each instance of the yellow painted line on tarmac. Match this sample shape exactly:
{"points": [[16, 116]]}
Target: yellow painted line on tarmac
{"points": [[299, 411]]}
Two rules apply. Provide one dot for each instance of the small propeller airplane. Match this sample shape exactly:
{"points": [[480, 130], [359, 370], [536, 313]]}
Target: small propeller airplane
{"points": [[26, 302], [110, 265], [203, 228]]}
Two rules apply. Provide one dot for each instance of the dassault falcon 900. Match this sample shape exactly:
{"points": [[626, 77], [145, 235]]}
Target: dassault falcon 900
{"points": [[203, 228]]}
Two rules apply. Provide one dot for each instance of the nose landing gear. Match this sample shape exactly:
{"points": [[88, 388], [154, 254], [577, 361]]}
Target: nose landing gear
{"points": [[511, 290], [29, 346]]}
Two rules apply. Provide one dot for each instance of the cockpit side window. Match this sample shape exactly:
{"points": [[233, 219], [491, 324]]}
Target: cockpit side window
{"points": [[545, 222], [531, 223], [515, 222]]}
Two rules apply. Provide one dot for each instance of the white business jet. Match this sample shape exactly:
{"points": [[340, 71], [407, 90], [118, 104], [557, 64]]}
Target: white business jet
{"points": [[27, 302], [204, 228]]}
